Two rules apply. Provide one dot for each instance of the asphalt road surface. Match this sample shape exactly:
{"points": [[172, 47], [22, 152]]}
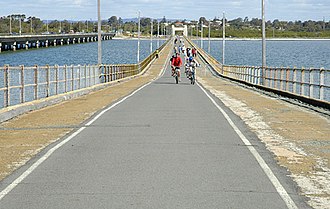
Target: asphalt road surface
{"points": [[166, 146]]}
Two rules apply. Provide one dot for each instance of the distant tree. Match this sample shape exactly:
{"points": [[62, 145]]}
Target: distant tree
{"points": [[237, 23], [120, 21], [256, 22], [203, 19], [145, 22], [113, 21]]}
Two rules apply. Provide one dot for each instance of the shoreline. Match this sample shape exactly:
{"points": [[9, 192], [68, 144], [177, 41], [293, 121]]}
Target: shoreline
{"points": [[267, 39], [228, 39], [135, 38]]}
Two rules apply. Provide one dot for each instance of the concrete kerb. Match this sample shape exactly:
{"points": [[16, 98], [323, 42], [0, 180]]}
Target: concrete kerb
{"points": [[14, 111]]}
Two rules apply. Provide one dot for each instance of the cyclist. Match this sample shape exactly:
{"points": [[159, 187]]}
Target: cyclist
{"points": [[176, 64], [193, 64]]}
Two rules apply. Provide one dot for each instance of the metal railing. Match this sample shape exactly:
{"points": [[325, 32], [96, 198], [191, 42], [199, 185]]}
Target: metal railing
{"points": [[308, 83], [22, 84]]}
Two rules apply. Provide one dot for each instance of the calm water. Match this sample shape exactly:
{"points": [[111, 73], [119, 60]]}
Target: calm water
{"points": [[113, 52], [279, 53], [298, 54]]}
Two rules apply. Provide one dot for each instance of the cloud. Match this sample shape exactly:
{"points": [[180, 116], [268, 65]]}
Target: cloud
{"points": [[183, 9]]}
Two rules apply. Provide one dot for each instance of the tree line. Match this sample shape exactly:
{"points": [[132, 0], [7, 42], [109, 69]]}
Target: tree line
{"points": [[20, 24], [239, 27]]}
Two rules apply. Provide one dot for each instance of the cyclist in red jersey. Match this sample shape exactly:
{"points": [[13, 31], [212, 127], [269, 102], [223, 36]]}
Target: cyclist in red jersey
{"points": [[176, 64]]}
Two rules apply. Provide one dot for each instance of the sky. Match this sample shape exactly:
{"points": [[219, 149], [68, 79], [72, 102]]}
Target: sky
{"points": [[171, 9]]}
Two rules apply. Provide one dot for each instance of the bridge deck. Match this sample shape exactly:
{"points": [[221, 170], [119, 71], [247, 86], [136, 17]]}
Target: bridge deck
{"points": [[166, 146]]}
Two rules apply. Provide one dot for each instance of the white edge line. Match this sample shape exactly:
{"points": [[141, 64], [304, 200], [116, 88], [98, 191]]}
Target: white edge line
{"points": [[18, 180], [278, 186]]}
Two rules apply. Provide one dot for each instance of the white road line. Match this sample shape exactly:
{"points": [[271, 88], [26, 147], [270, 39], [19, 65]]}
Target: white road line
{"points": [[17, 181], [278, 186]]}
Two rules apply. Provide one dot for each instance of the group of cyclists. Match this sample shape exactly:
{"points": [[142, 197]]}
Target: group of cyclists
{"points": [[190, 60]]}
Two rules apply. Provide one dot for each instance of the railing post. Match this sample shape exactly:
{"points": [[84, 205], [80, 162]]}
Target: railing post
{"points": [[109, 73], [311, 83], [115, 73], [56, 79], [259, 76], [65, 79], [6, 91], [79, 76], [85, 68], [95, 72], [48, 81], [272, 74], [322, 83], [36, 82], [72, 77], [252, 75], [22, 85], [275, 78], [90, 75], [302, 87], [294, 80], [243, 73], [287, 79], [281, 79]]}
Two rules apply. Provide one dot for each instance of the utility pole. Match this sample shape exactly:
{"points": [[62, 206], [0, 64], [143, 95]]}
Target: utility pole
{"points": [[138, 50], [20, 25], [87, 26], [151, 34], [263, 41], [223, 39], [196, 31], [31, 25], [202, 34], [10, 32], [209, 48], [99, 37], [157, 34]]}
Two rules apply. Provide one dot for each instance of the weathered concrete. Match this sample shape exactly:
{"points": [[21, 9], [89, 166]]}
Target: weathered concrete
{"points": [[166, 146], [23, 137], [299, 137]]}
